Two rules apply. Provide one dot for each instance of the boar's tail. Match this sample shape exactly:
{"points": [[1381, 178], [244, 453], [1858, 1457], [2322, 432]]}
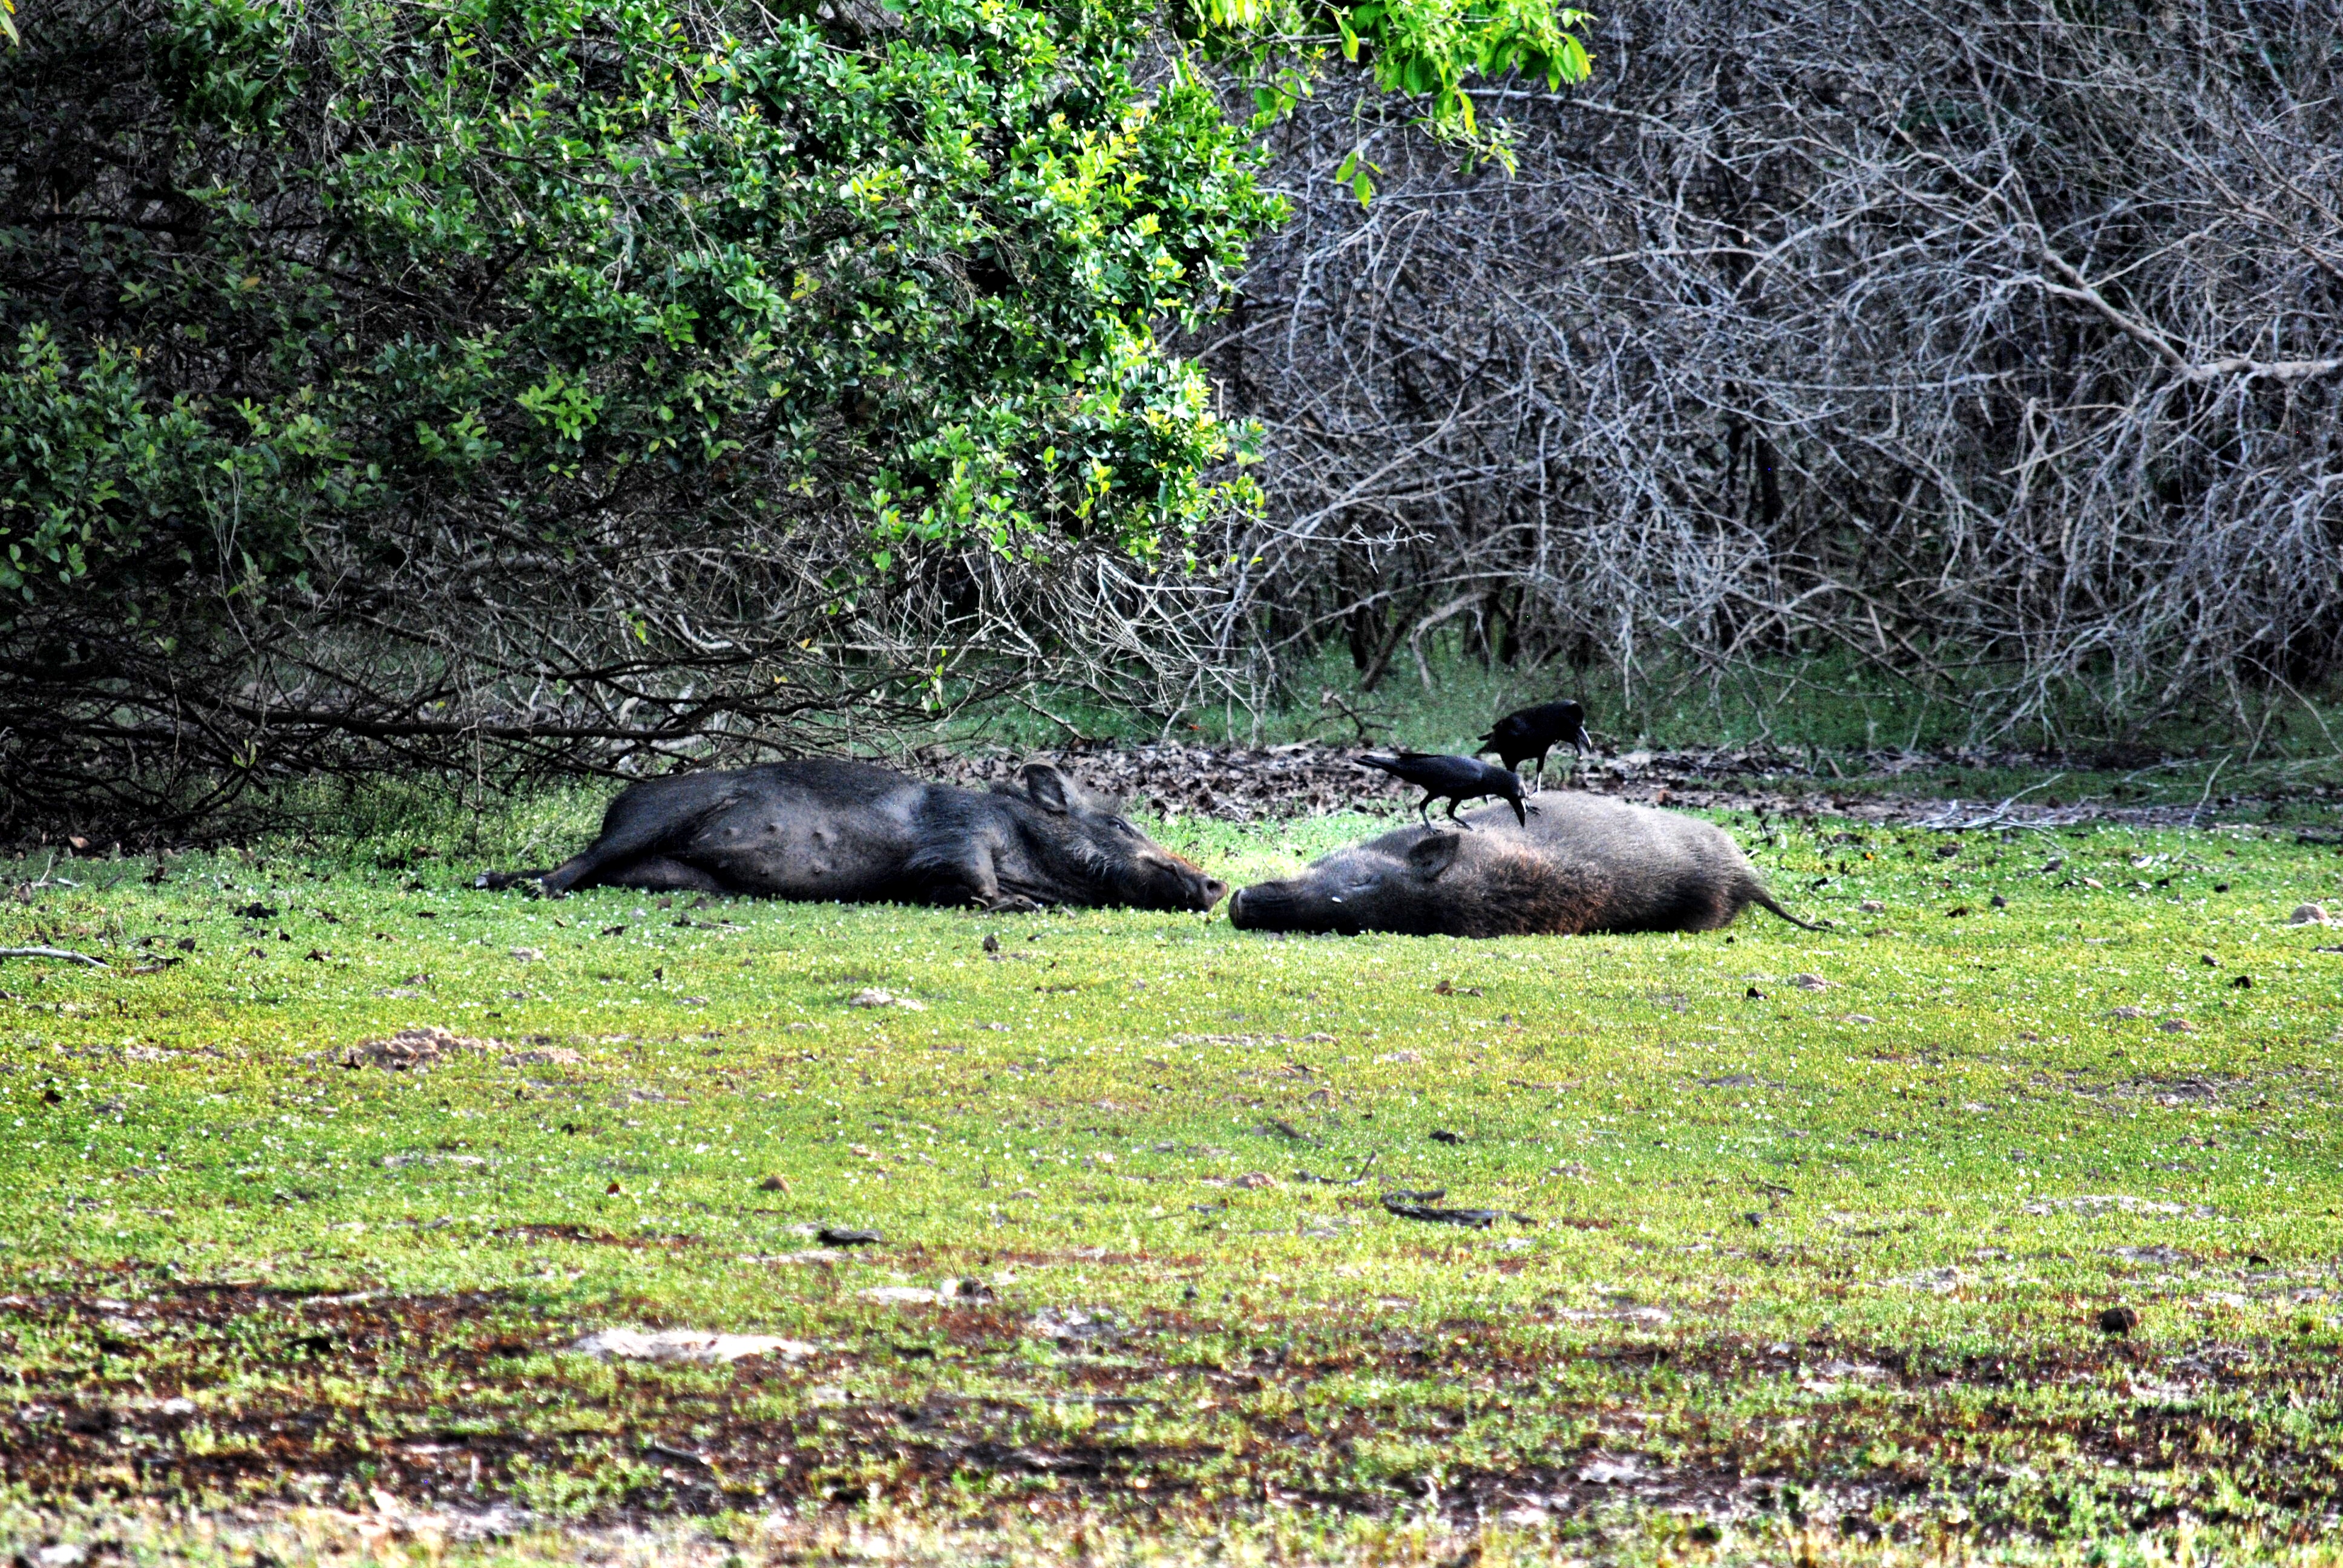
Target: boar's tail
{"points": [[499, 880], [1760, 897]]}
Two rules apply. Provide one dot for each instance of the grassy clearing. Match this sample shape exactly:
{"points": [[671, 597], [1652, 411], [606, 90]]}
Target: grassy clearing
{"points": [[1804, 1268]]}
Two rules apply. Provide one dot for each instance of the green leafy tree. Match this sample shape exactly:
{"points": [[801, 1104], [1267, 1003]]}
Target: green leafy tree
{"points": [[582, 376]]}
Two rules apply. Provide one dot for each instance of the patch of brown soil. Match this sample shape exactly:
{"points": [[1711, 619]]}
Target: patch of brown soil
{"points": [[413, 1048], [1246, 784]]}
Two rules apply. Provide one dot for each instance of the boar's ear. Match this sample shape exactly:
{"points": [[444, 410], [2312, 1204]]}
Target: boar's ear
{"points": [[1431, 856], [1045, 787]]}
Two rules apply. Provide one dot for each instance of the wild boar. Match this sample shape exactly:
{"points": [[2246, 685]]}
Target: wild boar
{"points": [[825, 830], [1583, 863]]}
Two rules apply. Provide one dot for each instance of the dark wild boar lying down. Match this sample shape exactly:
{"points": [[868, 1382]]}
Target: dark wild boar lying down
{"points": [[1584, 863], [849, 831]]}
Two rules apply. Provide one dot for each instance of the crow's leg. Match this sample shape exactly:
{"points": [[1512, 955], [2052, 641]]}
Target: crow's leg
{"points": [[1454, 801], [1423, 808]]}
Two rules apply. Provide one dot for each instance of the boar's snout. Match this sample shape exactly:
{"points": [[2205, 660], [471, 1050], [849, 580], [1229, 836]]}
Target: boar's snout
{"points": [[1203, 891], [1266, 907], [1184, 886]]}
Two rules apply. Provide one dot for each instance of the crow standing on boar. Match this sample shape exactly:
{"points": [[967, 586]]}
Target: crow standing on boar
{"points": [[1534, 731], [823, 829], [1454, 779], [1586, 863]]}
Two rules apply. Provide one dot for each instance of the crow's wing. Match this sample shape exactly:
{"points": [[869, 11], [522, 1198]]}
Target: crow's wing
{"points": [[1429, 769], [1542, 720], [1461, 772]]}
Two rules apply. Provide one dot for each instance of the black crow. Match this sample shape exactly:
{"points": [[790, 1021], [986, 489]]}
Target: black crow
{"points": [[1534, 731], [1453, 780]]}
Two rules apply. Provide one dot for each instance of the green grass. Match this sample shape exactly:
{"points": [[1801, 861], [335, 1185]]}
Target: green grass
{"points": [[1806, 1275]]}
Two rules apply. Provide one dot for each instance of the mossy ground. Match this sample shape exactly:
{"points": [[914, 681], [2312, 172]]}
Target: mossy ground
{"points": [[1800, 1273]]}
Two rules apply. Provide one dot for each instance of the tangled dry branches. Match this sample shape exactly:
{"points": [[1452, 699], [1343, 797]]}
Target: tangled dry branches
{"points": [[1988, 345]]}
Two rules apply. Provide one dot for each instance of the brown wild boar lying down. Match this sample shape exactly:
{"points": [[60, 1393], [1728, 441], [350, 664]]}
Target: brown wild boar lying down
{"points": [[1583, 863]]}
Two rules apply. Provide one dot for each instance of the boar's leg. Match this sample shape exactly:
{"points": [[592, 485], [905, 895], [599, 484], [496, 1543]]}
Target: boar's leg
{"points": [[636, 835], [580, 870], [966, 877], [661, 874]]}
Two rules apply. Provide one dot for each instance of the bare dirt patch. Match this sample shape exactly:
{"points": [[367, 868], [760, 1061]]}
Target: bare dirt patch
{"points": [[462, 1404], [1245, 784], [410, 1050]]}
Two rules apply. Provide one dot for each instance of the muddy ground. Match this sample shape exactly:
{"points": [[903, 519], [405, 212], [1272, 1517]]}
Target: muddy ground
{"points": [[1893, 789]]}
